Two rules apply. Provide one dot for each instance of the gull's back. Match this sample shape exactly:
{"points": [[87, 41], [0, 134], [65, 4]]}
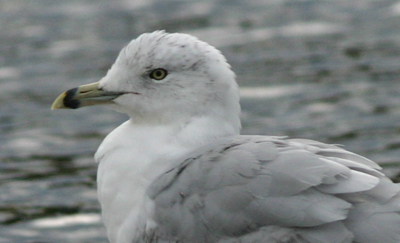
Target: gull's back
{"points": [[269, 189]]}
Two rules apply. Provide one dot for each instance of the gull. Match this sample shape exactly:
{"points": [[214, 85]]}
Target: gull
{"points": [[179, 171]]}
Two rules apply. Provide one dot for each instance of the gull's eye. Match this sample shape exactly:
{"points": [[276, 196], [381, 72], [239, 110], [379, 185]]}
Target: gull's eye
{"points": [[158, 74]]}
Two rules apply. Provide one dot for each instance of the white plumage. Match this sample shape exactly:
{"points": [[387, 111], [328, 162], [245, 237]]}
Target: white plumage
{"points": [[178, 170]]}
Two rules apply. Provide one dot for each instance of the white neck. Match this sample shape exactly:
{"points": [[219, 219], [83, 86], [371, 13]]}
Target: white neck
{"points": [[128, 167]]}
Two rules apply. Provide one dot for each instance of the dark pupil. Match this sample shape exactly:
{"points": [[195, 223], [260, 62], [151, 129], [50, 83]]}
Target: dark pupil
{"points": [[158, 73]]}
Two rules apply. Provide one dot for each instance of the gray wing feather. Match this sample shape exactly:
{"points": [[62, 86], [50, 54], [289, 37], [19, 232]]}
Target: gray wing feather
{"points": [[239, 189]]}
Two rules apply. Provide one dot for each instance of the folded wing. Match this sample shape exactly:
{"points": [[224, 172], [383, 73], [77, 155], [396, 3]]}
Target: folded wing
{"points": [[275, 190]]}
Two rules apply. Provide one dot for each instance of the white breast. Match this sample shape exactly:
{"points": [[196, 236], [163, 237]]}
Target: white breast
{"points": [[126, 169]]}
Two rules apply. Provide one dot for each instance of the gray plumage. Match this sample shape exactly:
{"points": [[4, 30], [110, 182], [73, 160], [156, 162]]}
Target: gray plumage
{"points": [[270, 189]]}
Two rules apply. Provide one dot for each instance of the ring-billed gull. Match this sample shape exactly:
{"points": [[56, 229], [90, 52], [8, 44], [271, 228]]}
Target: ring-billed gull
{"points": [[178, 170]]}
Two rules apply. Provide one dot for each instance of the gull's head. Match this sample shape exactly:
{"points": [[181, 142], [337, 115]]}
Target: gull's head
{"points": [[160, 77]]}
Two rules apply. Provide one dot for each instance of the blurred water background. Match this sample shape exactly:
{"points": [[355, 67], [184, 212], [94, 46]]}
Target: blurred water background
{"points": [[323, 70]]}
